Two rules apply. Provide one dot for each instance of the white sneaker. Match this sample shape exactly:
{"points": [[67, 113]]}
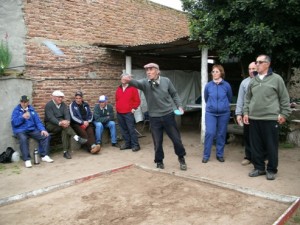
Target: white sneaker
{"points": [[47, 159], [28, 164]]}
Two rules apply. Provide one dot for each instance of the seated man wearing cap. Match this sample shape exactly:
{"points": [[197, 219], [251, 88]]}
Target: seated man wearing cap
{"points": [[104, 118], [160, 95], [26, 123], [81, 122], [57, 119]]}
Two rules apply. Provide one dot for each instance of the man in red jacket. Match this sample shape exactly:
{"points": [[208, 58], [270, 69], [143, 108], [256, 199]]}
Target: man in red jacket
{"points": [[127, 101]]}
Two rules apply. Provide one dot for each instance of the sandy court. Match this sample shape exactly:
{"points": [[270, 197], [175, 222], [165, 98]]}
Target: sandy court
{"points": [[143, 196], [137, 196]]}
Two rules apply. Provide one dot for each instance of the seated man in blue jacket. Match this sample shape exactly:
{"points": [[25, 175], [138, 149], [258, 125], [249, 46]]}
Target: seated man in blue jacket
{"points": [[82, 122], [26, 123]]}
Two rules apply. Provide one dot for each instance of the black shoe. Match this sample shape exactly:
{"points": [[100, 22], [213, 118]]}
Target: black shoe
{"points": [[220, 159], [115, 145], [270, 175], [160, 165], [124, 147], [256, 173], [136, 148], [183, 165], [204, 160], [67, 155]]}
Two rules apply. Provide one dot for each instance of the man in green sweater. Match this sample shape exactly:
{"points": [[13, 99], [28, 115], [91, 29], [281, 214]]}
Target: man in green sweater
{"points": [[57, 119], [266, 106], [161, 96]]}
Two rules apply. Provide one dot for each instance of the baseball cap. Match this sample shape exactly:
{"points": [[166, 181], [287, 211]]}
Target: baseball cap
{"points": [[78, 93], [58, 93], [102, 98], [154, 65], [24, 98]]}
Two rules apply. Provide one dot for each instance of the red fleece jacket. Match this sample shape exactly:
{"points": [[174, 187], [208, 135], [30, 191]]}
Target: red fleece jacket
{"points": [[127, 100]]}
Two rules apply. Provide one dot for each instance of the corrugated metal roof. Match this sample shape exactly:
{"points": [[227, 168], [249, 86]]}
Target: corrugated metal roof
{"points": [[181, 47]]}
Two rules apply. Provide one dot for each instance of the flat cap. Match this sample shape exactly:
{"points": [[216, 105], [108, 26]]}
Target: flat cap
{"points": [[153, 65]]}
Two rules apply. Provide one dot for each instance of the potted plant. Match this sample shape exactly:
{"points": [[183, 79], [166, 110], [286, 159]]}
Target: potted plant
{"points": [[5, 56]]}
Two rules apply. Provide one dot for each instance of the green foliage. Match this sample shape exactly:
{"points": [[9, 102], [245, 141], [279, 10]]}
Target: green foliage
{"points": [[246, 28], [5, 57]]}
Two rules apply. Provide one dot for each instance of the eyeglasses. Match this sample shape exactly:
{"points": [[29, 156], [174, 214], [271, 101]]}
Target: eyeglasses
{"points": [[260, 62], [215, 71]]}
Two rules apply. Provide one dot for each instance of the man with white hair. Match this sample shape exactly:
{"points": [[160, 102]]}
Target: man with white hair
{"points": [[57, 119], [160, 95]]}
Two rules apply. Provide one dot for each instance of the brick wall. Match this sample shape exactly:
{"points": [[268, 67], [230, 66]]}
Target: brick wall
{"points": [[74, 26]]}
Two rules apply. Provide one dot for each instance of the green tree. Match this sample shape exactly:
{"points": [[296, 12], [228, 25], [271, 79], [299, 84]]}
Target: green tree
{"points": [[247, 28]]}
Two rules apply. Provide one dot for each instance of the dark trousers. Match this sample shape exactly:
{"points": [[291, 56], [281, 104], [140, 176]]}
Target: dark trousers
{"points": [[264, 137], [127, 125], [66, 134], [88, 133], [247, 142], [24, 143], [167, 123]]}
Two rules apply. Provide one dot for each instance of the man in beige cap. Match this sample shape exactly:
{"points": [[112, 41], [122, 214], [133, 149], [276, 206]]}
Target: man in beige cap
{"points": [[57, 119], [160, 96]]}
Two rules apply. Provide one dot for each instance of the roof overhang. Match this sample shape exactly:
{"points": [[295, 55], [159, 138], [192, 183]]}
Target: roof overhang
{"points": [[180, 48]]}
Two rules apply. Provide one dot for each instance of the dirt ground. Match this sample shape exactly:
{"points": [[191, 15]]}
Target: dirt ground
{"points": [[147, 196]]}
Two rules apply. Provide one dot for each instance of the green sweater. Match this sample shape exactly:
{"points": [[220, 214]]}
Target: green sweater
{"points": [[161, 99], [267, 99]]}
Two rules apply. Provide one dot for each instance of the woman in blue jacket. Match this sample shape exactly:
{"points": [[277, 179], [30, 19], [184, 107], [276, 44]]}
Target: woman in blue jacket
{"points": [[217, 95]]}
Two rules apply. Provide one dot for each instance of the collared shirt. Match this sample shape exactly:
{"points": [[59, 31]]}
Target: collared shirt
{"points": [[57, 106]]}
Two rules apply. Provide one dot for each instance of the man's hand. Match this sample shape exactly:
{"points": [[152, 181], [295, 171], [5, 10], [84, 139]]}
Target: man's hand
{"points": [[126, 79], [44, 133], [246, 119], [281, 119], [64, 123], [181, 110], [26, 115]]}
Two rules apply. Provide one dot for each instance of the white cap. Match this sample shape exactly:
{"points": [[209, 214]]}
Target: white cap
{"points": [[58, 93], [102, 98]]}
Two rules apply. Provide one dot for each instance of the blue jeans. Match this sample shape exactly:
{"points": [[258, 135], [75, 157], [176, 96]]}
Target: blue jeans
{"points": [[216, 128], [126, 123], [24, 143], [167, 123], [99, 127]]}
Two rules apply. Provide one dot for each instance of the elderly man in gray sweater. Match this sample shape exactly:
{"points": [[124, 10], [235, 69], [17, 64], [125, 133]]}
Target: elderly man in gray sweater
{"points": [[160, 95]]}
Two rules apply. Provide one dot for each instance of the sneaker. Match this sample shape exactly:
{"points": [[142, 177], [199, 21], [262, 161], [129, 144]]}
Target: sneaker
{"points": [[67, 155], [160, 165], [115, 145], [270, 175], [80, 140], [256, 173], [28, 164], [95, 149], [182, 164], [245, 162], [46, 158]]}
